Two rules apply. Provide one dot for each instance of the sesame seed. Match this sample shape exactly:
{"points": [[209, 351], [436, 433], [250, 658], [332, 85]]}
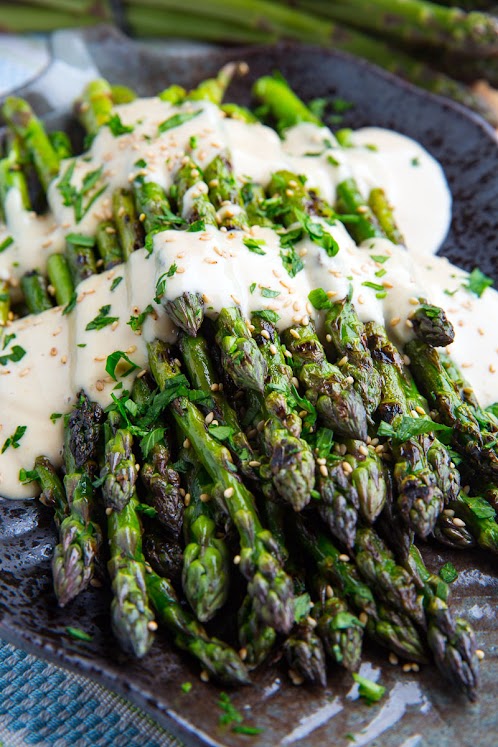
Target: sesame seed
{"points": [[363, 618], [287, 353], [361, 300], [273, 349], [214, 387], [254, 463], [24, 373], [228, 493], [344, 558], [415, 667], [321, 460], [458, 522], [187, 499], [363, 450], [209, 418], [394, 321], [329, 592], [204, 676], [393, 659], [305, 320], [294, 333], [186, 444], [99, 385], [480, 654], [407, 668], [108, 511], [204, 497], [409, 323], [236, 560], [243, 654], [265, 334], [420, 410], [414, 301], [323, 470], [64, 359], [406, 360], [295, 381], [114, 325], [414, 413], [152, 625], [492, 368], [141, 373], [295, 678], [53, 352]]}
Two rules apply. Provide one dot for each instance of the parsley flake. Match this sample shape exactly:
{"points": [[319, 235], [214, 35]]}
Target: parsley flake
{"points": [[370, 691], [116, 282], [267, 315], [15, 355], [117, 127], [78, 634], [136, 322], [72, 303], [254, 245], [448, 573], [55, 416], [176, 120], [161, 283], [15, 438], [102, 319], [6, 243], [268, 293], [112, 362], [478, 282]]}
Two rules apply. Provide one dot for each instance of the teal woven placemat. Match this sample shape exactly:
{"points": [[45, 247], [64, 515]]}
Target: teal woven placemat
{"points": [[43, 705]]}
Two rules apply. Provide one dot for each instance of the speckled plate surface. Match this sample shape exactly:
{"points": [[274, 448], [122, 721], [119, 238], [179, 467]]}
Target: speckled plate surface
{"points": [[418, 709]]}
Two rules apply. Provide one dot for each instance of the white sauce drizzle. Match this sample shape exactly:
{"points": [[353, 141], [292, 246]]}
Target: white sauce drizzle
{"points": [[62, 356]]}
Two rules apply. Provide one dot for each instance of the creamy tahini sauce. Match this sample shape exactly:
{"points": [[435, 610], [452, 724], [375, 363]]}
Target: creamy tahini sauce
{"points": [[62, 356]]}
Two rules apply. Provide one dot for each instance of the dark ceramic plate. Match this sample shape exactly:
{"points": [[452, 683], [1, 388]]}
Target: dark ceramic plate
{"points": [[417, 709]]}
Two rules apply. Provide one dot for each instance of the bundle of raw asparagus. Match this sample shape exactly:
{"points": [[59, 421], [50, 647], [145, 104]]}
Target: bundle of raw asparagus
{"points": [[439, 46], [257, 475]]}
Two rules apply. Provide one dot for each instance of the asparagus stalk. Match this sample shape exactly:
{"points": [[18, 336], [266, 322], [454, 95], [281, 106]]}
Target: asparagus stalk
{"points": [[240, 356], [21, 118], [131, 617], [35, 292], [94, 108], [348, 338], [255, 637], [383, 211], [203, 376], [108, 245], [269, 587], [336, 401], [224, 192], [451, 641], [305, 654], [480, 519], [286, 107], [4, 303], [291, 462], [206, 571], [128, 226], [59, 274], [214, 89], [215, 656], [80, 258], [162, 483], [163, 554], [340, 631], [73, 562], [61, 144], [119, 473]]}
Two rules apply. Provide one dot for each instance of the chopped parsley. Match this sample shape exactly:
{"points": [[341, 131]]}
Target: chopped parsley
{"points": [[55, 416], [146, 510], [140, 164], [448, 573], [380, 273], [370, 691], [478, 282], [15, 438], [317, 233], [116, 282], [267, 315], [480, 507], [27, 475], [161, 283], [221, 432], [252, 287], [268, 293], [186, 687], [72, 197], [15, 355], [102, 319], [72, 303], [344, 138], [112, 362], [302, 606], [379, 258], [6, 243], [381, 291], [79, 239], [415, 161], [410, 427], [196, 226], [78, 634], [136, 322], [193, 142], [117, 127], [150, 440], [176, 120], [254, 245], [233, 718], [324, 442], [319, 299], [7, 339]]}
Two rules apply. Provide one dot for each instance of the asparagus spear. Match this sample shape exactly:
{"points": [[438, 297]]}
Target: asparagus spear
{"points": [[240, 355], [253, 197], [420, 22], [339, 504], [206, 571], [4, 303], [94, 108], [269, 587], [386, 626], [420, 499], [108, 245], [73, 562], [480, 519], [352, 202], [53, 493], [12, 175], [255, 637], [285, 106], [119, 473], [35, 292], [80, 258], [340, 631], [347, 335], [61, 144], [336, 401], [224, 192], [214, 89], [452, 641], [163, 489], [305, 654], [131, 617], [162, 553], [215, 656], [390, 581], [60, 278], [128, 226], [456, 537], [202, 374], [383, 211], [21, 118], [198, 207], [291, 463], [431, 325]]}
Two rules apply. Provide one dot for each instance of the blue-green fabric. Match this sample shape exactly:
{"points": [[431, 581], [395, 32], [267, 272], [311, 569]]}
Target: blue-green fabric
{"points": [[43, 705]]}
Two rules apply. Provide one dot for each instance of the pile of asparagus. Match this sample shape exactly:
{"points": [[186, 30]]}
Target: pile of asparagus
{"points": [[272, 481], [439, 46]]}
